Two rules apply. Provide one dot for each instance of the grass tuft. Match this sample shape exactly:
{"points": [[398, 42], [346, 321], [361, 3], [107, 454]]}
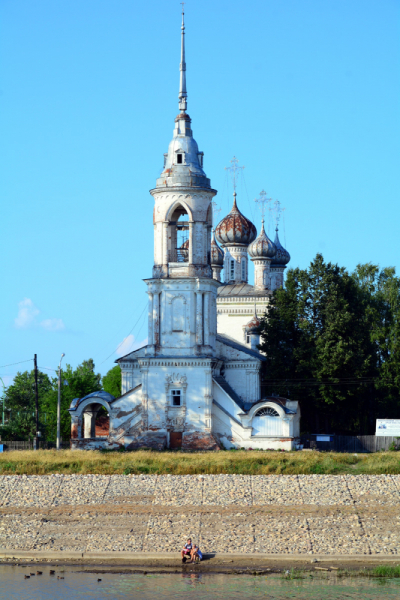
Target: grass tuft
{"points": [[386, 571], [245, 462]]}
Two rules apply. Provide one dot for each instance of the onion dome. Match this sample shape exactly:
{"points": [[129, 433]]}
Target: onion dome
{"points": [[262, 247], [282, 256], [235, 229], [253, 325], [217, 255]]}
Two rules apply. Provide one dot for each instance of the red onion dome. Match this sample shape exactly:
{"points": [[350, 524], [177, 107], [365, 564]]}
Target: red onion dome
{"points": [[235, 229], [253, 325]]}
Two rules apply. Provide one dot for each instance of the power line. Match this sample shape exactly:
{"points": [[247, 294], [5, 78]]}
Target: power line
{"points": [[17, 363], [119, 345]]}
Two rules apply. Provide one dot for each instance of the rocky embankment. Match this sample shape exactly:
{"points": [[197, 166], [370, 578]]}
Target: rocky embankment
{"points": [[274, 514]]}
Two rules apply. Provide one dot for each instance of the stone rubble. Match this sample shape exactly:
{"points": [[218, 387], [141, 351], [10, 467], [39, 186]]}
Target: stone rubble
{"points": [[275, 514]]}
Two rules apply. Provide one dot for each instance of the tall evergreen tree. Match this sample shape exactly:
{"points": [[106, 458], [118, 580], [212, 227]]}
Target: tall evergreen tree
{"points": [[320, 348]]}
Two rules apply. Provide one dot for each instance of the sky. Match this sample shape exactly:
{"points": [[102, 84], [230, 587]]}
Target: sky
{"points": [[304, 93]]}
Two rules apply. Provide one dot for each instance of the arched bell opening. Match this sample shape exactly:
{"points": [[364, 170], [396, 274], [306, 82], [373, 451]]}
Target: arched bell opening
{"points": [[178, 235]]}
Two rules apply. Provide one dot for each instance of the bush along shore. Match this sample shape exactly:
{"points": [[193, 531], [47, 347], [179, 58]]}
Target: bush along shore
{"points": [[46, 462]]}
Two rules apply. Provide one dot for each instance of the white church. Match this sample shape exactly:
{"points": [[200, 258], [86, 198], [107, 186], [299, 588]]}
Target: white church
{"points": [[196, 385]]}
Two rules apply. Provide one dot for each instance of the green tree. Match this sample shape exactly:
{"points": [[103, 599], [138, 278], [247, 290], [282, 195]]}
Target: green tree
{"points": [[112, 381], [317, 338], [74, 384], [19, 400]]}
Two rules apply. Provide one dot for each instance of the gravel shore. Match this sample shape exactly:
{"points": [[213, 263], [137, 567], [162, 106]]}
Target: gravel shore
{"points": [[275, 514]]}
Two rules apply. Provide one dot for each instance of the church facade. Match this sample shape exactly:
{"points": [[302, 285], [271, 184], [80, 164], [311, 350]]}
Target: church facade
{"points": [[196, 384]]}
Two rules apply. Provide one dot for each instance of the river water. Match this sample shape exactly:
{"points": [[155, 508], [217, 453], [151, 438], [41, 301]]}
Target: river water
{"points": [[77, 585]]}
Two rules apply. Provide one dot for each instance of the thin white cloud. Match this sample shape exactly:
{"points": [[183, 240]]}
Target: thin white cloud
{"points": [[27, 317], [52, 324], [129, 345], [27, 313]]}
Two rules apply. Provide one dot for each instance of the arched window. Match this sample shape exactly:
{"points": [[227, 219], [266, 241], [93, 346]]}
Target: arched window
{"points": [[267, 422], [232, 269], [267, 411]]}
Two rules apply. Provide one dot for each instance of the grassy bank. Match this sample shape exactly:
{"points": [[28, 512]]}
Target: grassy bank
{"points": [[44, 462]]}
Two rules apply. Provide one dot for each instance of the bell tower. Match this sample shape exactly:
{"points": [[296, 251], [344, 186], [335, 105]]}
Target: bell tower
{"points": [[182, 292]]}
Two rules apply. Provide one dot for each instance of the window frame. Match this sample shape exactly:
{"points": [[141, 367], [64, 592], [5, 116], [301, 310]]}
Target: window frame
{"points": [[232, 269], [175, 393]]}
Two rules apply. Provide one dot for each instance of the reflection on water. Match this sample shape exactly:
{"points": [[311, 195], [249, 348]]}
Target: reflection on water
{"points": [[77, 585]]}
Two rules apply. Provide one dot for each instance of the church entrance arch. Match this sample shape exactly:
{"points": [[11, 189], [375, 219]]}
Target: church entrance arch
{"points": [[96, 421]]}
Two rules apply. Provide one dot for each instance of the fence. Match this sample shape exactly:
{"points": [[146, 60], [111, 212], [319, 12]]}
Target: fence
{"points": [[29, 445], [351, 443]]}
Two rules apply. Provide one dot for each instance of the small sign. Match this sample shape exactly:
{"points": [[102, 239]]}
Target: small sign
{"points": [[323, 438], [388, 427]]}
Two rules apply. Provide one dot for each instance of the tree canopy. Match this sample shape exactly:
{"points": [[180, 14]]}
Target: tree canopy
{"points": [[112, 381], [19, 399], [332, 342]]}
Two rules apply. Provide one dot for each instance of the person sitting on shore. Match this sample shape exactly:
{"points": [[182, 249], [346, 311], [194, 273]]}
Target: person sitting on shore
{"points": [[186, 550], [196, 553]]}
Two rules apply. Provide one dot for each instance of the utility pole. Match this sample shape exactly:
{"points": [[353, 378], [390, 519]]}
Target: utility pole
{"points": [[3, 399], [36, 442], [59, 403]]}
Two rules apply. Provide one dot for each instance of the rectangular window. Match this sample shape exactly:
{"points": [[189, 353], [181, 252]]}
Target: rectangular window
{"points": [[247, 338], [176, 397], [179, 156], [232, 269], [243, 269]]}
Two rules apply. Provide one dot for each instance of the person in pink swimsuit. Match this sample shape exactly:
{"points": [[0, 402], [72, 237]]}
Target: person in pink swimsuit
{"points": [[186, 550]]}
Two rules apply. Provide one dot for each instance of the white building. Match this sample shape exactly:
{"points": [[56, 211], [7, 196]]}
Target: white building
{"points": [[196, 385]]}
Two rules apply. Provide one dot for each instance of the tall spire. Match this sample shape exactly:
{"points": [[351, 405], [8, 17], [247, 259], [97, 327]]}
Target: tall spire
{"points": [[182, 68]]}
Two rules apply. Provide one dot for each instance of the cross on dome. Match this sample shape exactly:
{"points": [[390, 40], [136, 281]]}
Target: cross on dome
{"points": [[277, 209], [262, 201], [235, 171]]}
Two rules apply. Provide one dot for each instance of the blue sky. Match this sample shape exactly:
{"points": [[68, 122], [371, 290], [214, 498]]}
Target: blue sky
{"points": [[304, 92]]}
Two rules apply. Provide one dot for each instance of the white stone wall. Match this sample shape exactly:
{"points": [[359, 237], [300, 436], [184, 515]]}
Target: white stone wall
{"points": [[262, 275], [244, 378], [182, 316], [238, 254], [193, 378], [130, 376], [233, 314], [276, 274]]}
